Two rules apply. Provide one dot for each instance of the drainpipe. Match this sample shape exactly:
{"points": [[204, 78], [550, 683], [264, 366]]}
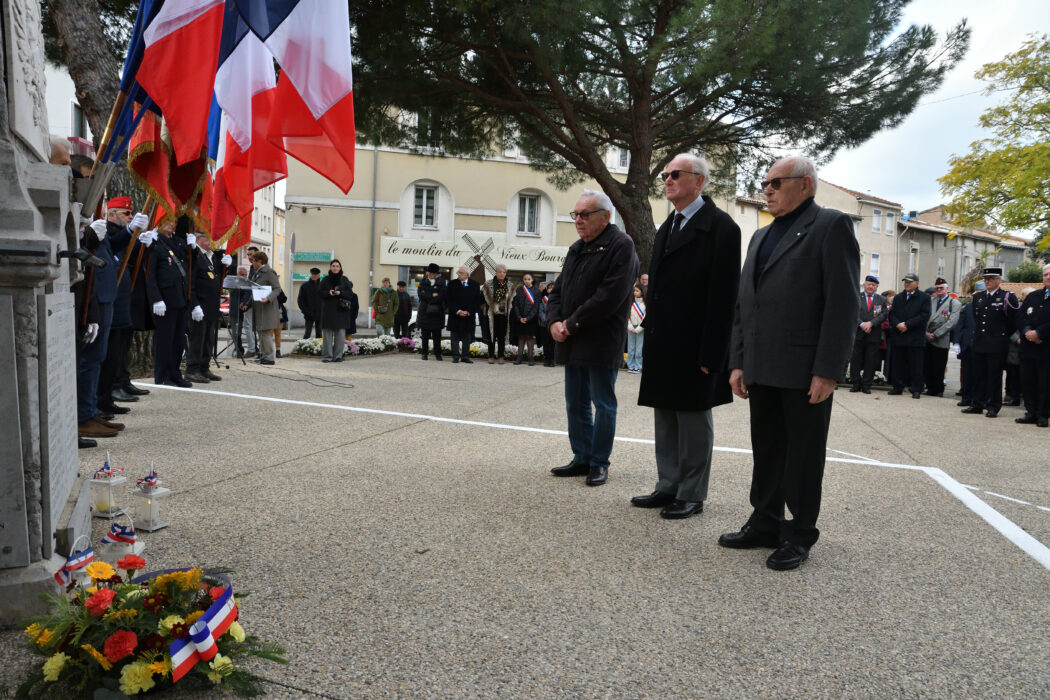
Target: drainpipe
{"points": [[372, 237]]}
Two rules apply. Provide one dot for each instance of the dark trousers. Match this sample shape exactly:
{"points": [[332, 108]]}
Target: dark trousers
{"points": [[431, 336], [169, 340], [966, 375], [201, 343], [789, 438], [461, 343], [1013, 381], [935, 362], [863, 362], [498, 341], [988, 379], [401, 326], [1035, 383], [547, 343], [114, 371], [907, 367], [314, 325], [486, 330], [90, 366]]}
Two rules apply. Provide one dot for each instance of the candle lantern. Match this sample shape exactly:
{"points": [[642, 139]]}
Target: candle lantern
{"points": [[121, 541], [74, 570], [151, 493], [105, 496]]}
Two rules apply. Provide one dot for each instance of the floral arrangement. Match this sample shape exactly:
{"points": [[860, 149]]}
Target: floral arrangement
{"points": [[118, 637], [406, 344], [387, 343]]}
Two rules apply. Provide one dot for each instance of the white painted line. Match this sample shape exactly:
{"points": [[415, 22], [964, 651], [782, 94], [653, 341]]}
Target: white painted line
{"points": [[1037, 550], [1009, 498], [850, 454]]}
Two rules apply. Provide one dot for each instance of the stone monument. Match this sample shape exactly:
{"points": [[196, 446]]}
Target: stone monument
{"points": [[44, 503]]}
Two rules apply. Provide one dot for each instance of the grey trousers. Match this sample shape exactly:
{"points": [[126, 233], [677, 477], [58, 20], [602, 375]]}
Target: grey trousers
{"points": [[333, 343], [684, 444], [267, 347]]}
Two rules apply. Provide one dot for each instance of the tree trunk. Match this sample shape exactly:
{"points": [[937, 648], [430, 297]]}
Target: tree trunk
{"points": [[633, 205]]}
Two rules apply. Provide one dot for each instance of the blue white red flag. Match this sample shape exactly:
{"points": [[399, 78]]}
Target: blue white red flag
{"points": [[76, 560], [200, 645], [120, 534], [147, 482], [106, 471]]}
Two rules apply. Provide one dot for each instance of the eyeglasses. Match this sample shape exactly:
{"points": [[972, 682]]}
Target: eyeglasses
{"points": [[778, 181], [583, 214], [675, 173]]}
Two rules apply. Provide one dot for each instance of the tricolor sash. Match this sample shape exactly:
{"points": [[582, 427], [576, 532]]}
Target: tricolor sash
{"points": [[638, 310], [528, 294]]}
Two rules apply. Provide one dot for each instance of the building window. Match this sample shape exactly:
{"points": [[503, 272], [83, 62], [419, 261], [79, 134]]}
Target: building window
{"points": [[856, 228], [913, 261], [874, 269], [876, 221], [625, 157], [889, 223], [426, 203], [940, 267], [79, 122], [528, 214]]}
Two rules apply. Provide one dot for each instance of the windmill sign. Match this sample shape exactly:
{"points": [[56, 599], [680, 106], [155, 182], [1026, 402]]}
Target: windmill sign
{"points": [[479, 251]]}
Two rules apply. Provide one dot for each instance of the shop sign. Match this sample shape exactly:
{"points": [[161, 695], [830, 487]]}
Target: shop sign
{"points": [[467, 244]]}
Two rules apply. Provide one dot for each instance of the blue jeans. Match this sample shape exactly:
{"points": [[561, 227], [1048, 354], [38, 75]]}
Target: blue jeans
{"points": [[591, 440], [635, 341], [91, 358]]}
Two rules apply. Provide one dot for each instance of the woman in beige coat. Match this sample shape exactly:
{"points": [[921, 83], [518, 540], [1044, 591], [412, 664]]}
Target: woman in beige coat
{"points": [[266, 313]]}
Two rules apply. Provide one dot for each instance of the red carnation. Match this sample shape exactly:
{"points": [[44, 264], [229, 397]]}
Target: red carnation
{"points": [[131, 562], [120, 644], [100, 601], [216, 592]]}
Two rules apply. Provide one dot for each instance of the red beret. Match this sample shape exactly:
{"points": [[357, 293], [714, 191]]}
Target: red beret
{"points": [[119, 203]]}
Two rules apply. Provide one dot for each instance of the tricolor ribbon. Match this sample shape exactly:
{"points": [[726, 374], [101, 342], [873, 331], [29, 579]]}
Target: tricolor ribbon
{"points": [[76, 560], [120, 534], [200, 645], [147, 482], [638, 310], [529, 295], [106, 471]]}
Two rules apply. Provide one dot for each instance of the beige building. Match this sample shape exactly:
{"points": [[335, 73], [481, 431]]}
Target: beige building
{"points": [[875, 225]]}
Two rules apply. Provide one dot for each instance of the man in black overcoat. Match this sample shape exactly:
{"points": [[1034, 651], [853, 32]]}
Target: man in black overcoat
{"points": [[693, 279], [430, 316], [792, 334], [909, 316], [166, 288], [462, 302], [1033, 323], [205, 293], [994, 313], [309, 302]]}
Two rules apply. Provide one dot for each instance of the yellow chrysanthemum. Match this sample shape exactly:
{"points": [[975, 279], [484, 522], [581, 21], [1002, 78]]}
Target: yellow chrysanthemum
{"points": [[45, 637], [91, 591], [120, 614], [186, 580], [162, 666], [165, 625], [100, 571], [236, 631], [136, 678], [221, 666], [53, 666], [34, 631], [193, 617], [105, 663]]}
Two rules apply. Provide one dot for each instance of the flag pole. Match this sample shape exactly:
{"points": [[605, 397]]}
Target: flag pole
{"points": [[134, 237], [108, 134]]}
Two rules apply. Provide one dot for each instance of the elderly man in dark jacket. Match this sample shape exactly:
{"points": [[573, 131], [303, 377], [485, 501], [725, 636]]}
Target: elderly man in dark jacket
{"points": [[309, 302], [587, 315], [430, 316], [909, 316], [693, 281], [462, 301]]}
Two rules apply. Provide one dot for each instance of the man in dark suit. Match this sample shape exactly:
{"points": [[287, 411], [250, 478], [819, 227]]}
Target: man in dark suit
{"points": [[462, 301], [870, 315], [309, 302], [1033, 322], [166, 289], [994, 313], [694, 275], [792, 334], [205, 291], [908, 318], [962, 336]]}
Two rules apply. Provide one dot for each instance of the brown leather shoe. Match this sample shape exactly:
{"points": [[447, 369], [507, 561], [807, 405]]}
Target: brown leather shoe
{"points": [[108, 424], [91, 429], [492, 360]]}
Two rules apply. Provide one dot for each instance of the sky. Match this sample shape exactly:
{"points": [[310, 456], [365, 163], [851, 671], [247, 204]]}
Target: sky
{"points": [[903, 164]]}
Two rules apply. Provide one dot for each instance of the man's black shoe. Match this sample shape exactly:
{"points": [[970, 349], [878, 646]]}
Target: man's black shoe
{"points": [[896, 392], [682, 509], [134, 390], [992, 413], [197, 378], [106, 416], [972, 409], [455, 360], [1027, 418], [267, 362], [654, 500], [789, 556], [424, 357], [597, 476], [211, 375], [1041, 423], [571, 469], [439, 358], [866, 390], [854, 389], [110, 407], [83, 442], [278, 353], [749, 538], [467, 361], [916, 395], [119, 394], [177, 382]]}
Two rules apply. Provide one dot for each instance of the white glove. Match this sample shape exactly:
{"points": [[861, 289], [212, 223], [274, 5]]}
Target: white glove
{"points": [[197, 314], [146, 238], [191, 240], [140, 221], [956, 349], [91, 334], [159, 308], [227, 260], [99, 227]]}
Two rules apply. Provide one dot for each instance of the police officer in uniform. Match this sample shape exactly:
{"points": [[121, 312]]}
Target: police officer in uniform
{"points": [[205, 293], [166, 289], [995, 312], [1033, 322]]}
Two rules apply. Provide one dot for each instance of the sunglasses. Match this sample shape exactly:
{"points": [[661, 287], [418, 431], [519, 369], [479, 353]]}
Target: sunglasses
{"points": [[675, 173], [778, 181], [583, 214]]}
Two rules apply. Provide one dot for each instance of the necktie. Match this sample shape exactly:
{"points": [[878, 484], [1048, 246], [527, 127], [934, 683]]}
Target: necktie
{"points": [[676, 226], [908, 298], [869, 302]]}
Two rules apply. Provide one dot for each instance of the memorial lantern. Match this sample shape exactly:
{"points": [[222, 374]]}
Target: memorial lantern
{"points": [[121, 541], [106, 497], [150, 493], [74, 570]]}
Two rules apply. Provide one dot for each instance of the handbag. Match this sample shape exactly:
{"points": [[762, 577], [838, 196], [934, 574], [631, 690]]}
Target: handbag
{"points": [[344, 305]]}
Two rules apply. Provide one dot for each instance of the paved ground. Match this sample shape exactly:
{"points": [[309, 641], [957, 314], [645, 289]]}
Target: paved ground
{"points": [[397, 556]]}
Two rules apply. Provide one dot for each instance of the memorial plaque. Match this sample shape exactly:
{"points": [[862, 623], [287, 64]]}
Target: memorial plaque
{"points": [[58, 406], [25, 74], [14, 529]]}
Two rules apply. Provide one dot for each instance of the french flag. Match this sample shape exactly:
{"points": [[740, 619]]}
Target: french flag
{"points": [[200, 645], [313, 110], [178, 68]]}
